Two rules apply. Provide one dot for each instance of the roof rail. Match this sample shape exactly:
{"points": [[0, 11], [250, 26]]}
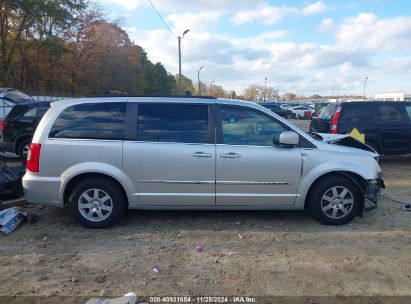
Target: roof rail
{"points": [[164, 96]]}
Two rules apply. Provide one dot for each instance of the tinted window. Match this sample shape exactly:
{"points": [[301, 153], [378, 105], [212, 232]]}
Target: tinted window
{"points": [[182, 123], [17, 96], [42, 110], [328, 111], [31, 113], [390, 113], [241, 126], [103, 120], [16, 111], [408, 108], [355, 115]]}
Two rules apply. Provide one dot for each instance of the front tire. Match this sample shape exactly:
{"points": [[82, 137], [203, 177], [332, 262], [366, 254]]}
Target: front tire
{"points": [[97, 203], [335, 200]]}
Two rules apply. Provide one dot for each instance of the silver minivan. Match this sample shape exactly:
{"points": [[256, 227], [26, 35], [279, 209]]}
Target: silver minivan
{"points": [[100, 156]]}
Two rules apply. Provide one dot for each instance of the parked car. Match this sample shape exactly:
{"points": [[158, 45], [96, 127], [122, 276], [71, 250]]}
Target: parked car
{"points": [[386, 125], [19, 125], [100, 156], [278, 110], [302, 112], [9, 97]]}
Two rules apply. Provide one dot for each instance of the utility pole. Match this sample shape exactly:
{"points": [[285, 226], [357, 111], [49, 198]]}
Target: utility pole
{"points": [[365, 83], [199, 83], [265, 87], [179, 60]]}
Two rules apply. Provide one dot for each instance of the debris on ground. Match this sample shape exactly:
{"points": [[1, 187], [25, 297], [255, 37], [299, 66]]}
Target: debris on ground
{"points": [[199, 248], [156, 269], [10, 182], [129, 298], [10, 219]]}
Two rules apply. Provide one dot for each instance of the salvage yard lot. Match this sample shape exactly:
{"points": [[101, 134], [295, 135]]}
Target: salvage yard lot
{"points": [[244, 253]]}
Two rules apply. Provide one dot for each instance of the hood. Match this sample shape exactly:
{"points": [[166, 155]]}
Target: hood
{"points": [[345, 140]]}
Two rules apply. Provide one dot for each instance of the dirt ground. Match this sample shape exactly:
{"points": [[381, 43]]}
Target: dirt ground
{"points": [[244, 253]]}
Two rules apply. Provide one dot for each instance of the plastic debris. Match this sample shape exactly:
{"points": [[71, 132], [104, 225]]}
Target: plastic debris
{"points": [[10, 219], [240, 236], [129, 298], [232, 253], [10, 182], [156, 269], [199, 248]]}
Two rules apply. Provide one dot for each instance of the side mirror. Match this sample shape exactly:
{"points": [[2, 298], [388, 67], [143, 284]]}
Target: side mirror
{"points": [[289, 138]]}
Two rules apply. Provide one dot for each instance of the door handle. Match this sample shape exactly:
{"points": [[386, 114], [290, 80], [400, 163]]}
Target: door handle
{"points": [[230, 155], [201, 154]]}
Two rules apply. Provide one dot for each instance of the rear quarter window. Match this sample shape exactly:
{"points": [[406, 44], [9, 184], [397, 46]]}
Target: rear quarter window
{"points": [[328, 111], [17, 110], [103, 120], [355, 115]]}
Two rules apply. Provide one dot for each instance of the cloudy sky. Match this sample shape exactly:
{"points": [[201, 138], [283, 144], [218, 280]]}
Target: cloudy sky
{"points": [[300, 46]]}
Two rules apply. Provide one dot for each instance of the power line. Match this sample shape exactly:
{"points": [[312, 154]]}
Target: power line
{"points": [[161, 18]]}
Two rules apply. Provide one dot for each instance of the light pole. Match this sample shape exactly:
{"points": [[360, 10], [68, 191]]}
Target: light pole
{"points": [[199, 84], [179, 59], [265, 87], [365, 83], [211, 88]]}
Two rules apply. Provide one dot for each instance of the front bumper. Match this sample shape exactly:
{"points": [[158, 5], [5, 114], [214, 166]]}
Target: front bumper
{"points": [[372, 192]]}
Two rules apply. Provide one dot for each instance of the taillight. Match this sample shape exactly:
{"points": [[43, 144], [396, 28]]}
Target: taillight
{"points": [[33, 158], [3, 124], [334, 121]]}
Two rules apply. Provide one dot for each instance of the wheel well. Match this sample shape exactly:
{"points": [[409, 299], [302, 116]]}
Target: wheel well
{"points": [[355, 178], [79, 178], [19, 141]]}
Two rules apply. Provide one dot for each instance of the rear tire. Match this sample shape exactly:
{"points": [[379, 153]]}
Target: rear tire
{"points": [[23, 148], [335, 200], [97, 203]]}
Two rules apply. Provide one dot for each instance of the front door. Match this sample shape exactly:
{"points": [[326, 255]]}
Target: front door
{"points": [[251, 167], [172, 161]]}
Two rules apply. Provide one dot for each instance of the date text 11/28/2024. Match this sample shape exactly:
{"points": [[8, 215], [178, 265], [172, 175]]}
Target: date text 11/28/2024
{"points": [[205, 299]]}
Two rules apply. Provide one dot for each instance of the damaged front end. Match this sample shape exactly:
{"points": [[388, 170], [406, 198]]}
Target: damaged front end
{"points": [[345, 140], [372, 190]]}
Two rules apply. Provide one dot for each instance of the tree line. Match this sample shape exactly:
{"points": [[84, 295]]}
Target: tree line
{"points": [[66, 47]]}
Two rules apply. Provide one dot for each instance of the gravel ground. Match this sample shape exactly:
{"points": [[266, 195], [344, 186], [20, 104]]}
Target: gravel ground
{"points": [[244, 253]]}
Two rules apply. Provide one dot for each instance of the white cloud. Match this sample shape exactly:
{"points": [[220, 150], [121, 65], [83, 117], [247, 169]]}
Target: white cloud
{"points": [[268, 15], [366, 30], [326, 25], [193, 21], [263, 13], [314, 8], [398, 65]]}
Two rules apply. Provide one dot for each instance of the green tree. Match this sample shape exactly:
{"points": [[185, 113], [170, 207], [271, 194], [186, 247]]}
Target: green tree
{"points": [[186, 85]]}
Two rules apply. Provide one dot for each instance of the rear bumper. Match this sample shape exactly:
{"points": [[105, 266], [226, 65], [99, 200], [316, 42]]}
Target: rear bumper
{"points": [[42, 190]]}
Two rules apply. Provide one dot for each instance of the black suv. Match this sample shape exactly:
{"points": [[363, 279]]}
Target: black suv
{"points": [[19, 125], [278, 110], [386, 125]]}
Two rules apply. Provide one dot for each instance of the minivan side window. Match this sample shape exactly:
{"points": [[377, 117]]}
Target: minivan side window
{"points": [[242, 126], [101, 120], [390, 113], [183, 123], [408, 108]]}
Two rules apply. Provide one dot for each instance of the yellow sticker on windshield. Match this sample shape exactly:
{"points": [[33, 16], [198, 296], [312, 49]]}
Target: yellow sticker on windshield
{"points": [[357, 135]]}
